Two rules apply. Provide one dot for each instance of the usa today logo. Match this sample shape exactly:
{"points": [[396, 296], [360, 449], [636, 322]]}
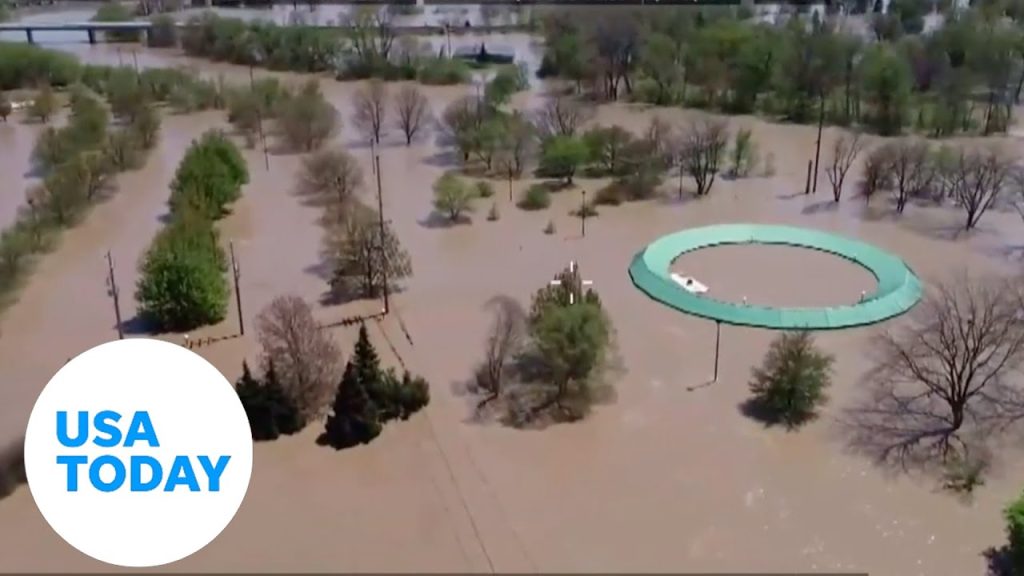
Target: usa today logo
{"points": [[138, 453]]}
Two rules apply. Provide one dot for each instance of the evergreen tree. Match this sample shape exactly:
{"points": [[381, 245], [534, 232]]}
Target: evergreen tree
{"points": [[355, 419], [271, 413]]}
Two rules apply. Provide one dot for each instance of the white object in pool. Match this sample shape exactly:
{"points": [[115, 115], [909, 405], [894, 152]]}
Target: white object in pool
{"points": [[689, 284]]}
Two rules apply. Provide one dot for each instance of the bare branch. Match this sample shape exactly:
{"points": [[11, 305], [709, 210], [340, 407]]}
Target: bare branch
{"points": [[845, 150], [412, 112]]}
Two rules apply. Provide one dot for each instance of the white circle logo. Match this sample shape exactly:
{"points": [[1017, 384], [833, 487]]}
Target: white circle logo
{"points": [[138, 453]]}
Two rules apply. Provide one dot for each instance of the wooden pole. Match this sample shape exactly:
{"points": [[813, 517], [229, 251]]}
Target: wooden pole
{"points": [[718, 341], [114, 294], [383, 252], [807, 184], [583, 215], [237, 273], [817, 146]]}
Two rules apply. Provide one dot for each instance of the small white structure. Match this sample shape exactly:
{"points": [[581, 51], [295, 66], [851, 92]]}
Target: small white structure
{"points": [[689, 284]]}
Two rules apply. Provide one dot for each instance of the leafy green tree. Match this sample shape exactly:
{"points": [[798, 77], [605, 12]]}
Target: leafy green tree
{"points": [[44, 105], [752, 68], [126, 94], [268, 408], [51, 148], [561, 156], [536, 197], [607, 147], [570, 334], [659, 62], [790, 384], [116, 12], [182, 284], [743, 155], [809, 63], [354, 418], [887, 82], [509, 80], [66, 192], [146, 124], [210, 176], [1014, 516], [453, 196], [124, 150]]}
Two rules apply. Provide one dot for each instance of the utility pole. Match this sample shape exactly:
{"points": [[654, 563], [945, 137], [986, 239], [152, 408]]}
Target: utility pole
{"points": [[583, 215], [817, 146], [237, 273], [383, 252], [510, 185], [114, 294], [135, 61]]}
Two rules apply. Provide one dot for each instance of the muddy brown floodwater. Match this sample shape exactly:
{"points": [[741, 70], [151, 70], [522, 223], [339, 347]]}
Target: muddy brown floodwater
{"points": [[661, 479], [769, 275]]}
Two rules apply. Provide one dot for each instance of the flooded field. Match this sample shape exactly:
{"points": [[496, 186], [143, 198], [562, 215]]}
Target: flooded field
{"points": [[660, 479]]}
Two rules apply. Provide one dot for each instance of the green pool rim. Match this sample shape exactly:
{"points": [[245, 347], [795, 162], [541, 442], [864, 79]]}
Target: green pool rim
{"points": [[898, 288]]}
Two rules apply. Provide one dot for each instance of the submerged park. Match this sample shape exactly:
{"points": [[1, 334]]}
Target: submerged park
{"points": [[677, 288]]}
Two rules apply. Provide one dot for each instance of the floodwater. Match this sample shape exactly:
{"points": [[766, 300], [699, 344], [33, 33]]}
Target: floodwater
{"points": [[661, 479], [768, 275]]}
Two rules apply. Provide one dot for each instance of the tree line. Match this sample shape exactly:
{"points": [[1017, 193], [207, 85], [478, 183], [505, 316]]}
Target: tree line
{"points": [[76, 165], [964, 77], [181, 282], [368, 48]]}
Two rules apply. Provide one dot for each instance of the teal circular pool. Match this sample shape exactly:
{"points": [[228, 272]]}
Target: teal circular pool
{"points": [[898, 290]]}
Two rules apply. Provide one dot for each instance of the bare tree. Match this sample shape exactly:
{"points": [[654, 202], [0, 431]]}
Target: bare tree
{"points": [[412, 112], [306, 120], [371, 35], [876, 173], [305, 359], [845, 150], [508, 330], [947, 369], [331, 178], [562, 116], [516, 146], [701, 149], [910, 170], [370, 107], [975, 180], [358, 260]]}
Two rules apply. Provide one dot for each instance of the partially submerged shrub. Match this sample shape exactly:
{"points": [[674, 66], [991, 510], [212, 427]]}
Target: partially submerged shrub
{"points": [[484, 189], [790, 384], [164, 32], [536, 197]]}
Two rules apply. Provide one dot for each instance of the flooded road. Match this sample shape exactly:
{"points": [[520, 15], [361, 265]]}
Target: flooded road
{"points": [[661, 479]]}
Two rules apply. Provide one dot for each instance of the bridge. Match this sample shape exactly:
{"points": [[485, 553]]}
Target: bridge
{"points": [[91, 28]]}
